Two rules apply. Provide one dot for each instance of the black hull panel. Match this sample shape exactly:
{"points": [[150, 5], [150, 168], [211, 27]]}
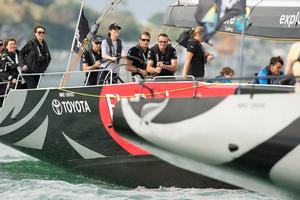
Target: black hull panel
{"points": [[147, 171]]}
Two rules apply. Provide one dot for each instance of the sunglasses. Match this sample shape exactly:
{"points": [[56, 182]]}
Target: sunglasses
{"points": [[144, 40], [1, 44], [163, 41], [41, 32], [98, 43]]}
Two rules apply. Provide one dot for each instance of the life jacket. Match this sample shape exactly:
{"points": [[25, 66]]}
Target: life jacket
{"points": [[142, 54], [167, 56], [93, 56], [111, 47]]}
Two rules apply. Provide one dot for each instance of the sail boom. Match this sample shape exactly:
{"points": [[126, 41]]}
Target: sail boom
{"points": [[270, 20]]}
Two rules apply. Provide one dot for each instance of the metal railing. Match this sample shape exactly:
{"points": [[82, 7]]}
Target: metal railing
{"points": [[4, 86], [172, 78], [57, 78]]}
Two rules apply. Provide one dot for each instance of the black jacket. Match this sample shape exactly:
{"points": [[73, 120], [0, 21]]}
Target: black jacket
{"points": [[36, 56], [8, 66]]}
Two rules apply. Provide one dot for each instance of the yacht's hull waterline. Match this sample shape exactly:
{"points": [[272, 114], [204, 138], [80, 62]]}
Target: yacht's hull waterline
{"points": [[249, 140], [72, 128]]}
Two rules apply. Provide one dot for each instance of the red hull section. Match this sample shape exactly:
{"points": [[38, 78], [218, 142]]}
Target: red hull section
{"points": [[110, 94]]}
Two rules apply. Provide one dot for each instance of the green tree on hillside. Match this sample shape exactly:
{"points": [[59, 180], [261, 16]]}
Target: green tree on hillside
{"points": [[45, 3], [130, 27], [156, 19]]}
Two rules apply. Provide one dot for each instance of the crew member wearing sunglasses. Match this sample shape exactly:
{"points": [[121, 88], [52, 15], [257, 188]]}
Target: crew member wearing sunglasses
{"points": [[35, 57], [91, 60], [162, 58], [137, 56]]}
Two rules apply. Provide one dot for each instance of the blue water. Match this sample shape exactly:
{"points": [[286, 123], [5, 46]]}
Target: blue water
{"points": [[23, 177]]}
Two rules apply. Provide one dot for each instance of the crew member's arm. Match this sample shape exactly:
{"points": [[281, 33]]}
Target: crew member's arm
{"points": [[150, 64], [171, 68], [152, 70], [105, 52], [262, 77], [86, 67], [186, 67], [292, 57], [130, 67], [288, 67], [23, 53], [209, 56]]}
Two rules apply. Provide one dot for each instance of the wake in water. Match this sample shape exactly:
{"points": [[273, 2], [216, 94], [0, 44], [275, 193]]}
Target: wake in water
{"points": [[23, 177]]}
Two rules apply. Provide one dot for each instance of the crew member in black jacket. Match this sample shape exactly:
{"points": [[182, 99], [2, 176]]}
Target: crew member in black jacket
{"points": [[92, 61], [137, 56], [35, 57], [9, 62], [196, 56], [162, 58]]}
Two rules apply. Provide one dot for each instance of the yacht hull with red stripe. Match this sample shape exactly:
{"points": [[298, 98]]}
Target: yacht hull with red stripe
{"points": [[72, 128]]}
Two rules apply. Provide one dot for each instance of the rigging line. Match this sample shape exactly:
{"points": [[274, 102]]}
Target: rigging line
{"points": [[245, 28], [110, 6], [165, 19], [155, 93], [75, 61]]}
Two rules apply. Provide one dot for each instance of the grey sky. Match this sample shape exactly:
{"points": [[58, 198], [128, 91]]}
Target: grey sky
{"points": [[142, 9]]}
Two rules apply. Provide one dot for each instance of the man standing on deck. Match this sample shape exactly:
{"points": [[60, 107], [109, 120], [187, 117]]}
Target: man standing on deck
{"points": [[35, 57], [162, 58], [137, 56]]}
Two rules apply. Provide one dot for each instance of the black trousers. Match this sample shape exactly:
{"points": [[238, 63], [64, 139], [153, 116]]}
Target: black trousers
{"points": [[31, 80]]}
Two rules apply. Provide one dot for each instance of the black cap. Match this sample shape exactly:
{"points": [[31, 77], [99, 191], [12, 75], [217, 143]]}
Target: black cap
{"points": [[97, 38], [114, 26]]}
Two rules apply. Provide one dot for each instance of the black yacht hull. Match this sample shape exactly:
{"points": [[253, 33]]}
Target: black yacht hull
{"points": [[72, 128]]}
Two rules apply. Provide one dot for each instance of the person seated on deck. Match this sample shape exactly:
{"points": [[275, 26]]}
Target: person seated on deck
{"points": [[264, 76], [140, 51], [92, 61], [162, 58], [226, 75]]}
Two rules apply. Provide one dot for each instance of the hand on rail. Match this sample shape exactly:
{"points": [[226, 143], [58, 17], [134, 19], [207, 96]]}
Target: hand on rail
{"points": [[24, 68]]}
